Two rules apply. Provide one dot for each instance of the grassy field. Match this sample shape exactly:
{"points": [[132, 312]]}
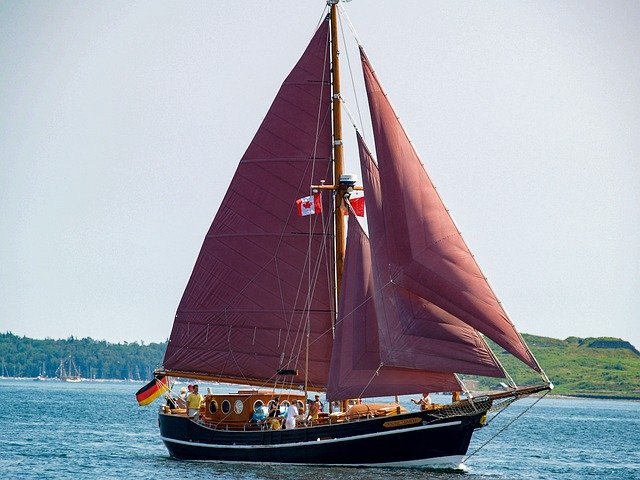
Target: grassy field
{"points": [[603, 367]]}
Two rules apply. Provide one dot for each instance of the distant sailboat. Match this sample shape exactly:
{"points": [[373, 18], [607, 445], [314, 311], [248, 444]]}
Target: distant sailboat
{"points": [[67, 371], [5, 372], [42, 376], [291, 305]]}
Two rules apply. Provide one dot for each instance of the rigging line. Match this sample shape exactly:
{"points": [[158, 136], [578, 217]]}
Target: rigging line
{"points": [[313, 274], [305, 327], [495, 358], [330, 275], [323, 17], [319, 121], [463, 387], [351, 27], [505, 427], [353, 83], [312, 277], [311, 291], [353, 122], [369, 298], [317, 269], [375, 374]]}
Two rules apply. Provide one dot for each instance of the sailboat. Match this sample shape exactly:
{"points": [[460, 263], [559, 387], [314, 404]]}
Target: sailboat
{"points": [[42, 376], [5, 372], [67, 371], [285, 304]]}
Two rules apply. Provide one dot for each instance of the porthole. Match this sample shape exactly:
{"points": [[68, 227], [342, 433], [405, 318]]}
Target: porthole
{"points": [[213, 407], [226, 407], [257, 404], [238, 406]]}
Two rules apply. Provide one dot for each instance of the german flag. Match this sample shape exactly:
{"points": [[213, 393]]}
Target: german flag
{"points": [[152, 390]]}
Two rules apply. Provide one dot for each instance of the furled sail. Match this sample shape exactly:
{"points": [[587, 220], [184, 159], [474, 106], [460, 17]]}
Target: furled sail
{"points": [[262, 274], [413, 332], [427, 255], [356, 368]]}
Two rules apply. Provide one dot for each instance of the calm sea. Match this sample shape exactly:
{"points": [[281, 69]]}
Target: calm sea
{"points": [[96, 430]]}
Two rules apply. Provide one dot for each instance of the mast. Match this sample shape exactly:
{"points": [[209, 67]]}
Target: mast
{"points": [[337, 144]]}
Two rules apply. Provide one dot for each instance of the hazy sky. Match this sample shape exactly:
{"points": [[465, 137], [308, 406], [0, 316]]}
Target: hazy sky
{"points": [[121, 124]]}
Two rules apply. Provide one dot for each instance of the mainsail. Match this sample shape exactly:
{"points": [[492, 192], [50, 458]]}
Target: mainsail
{"points": [[249, 300], [427, 255]]}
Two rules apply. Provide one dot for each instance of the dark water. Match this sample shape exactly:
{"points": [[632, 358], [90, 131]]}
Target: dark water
{"points": [[96, 430]]}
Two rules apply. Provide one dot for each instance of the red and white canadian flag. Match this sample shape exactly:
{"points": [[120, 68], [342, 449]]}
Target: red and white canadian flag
{"points": [[309, 205]]}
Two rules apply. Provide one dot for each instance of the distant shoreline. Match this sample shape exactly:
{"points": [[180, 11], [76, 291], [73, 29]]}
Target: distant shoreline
{"points": [[573, 396], [586, 396], [83, 380]]}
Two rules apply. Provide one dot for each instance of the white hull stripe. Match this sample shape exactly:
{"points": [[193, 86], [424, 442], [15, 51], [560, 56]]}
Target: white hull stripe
{"points": [[450, 461], [312, 442]]}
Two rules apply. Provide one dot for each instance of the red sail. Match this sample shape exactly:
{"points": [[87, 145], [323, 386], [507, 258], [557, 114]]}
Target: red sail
{"points": [[260, 275], [427, 254], [415, 333], [356, 368]]}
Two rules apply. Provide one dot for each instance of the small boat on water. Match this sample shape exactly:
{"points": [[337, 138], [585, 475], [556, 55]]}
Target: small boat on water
{"points": [[42, 376], [287, 297], [68, 371]]}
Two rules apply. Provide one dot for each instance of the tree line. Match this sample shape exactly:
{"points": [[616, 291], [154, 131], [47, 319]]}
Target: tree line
{"points": [[27, 357]]}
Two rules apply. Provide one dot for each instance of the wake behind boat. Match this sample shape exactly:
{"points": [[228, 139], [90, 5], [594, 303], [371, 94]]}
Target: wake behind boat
{"points": [[283, 300]]}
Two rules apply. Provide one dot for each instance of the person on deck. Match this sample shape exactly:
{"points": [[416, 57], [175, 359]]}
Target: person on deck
{"points": [[186, 395], [315, 408], [274, 412], [274, 407], [181, 400], [290, 419], [259, 414], [424, 402], [193, 402]]}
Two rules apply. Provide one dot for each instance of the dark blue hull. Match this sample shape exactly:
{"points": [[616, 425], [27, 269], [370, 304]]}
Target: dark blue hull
{"points": [[412, 439]]}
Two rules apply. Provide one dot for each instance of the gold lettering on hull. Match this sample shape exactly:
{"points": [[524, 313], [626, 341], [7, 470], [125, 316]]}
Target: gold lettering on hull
{"points": [[401, 423]]}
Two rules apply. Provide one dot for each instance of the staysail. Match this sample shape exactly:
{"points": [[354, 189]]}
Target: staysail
{"points": [[247, 304], [413, 332], [356, 367], [427, 255]]}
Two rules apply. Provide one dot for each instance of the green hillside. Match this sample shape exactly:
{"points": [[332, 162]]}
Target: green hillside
{"points": [[603, 367]]}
